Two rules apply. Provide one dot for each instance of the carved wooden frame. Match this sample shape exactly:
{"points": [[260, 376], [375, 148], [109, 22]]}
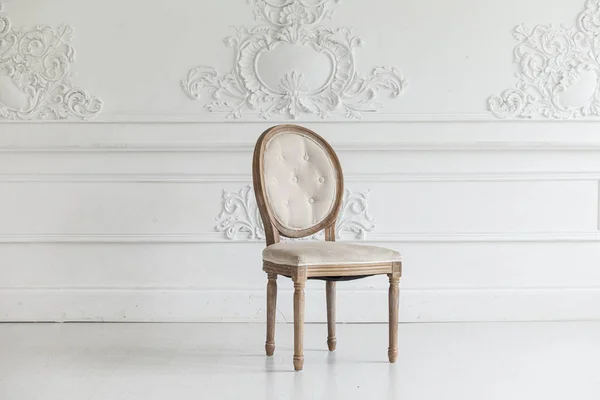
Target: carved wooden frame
{"points": [[331, 273]]}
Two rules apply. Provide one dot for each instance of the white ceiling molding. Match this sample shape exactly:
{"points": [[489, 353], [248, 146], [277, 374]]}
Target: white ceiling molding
{"points": [[293, 24], [240, 218], [35, 70], [559, 71]]}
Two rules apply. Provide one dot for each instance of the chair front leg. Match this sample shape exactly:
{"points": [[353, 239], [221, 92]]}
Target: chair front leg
{"points": [[331, 340], [299, 284], [393, 318], [271, 312]]}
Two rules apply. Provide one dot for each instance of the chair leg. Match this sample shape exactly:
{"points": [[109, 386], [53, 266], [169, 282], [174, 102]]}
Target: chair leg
{"points": [[299, 283], [271, 312], [393, 321], [331, 340]]}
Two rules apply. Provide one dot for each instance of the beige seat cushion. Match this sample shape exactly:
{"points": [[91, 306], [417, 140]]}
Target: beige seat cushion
{"points": [[327, 253]]}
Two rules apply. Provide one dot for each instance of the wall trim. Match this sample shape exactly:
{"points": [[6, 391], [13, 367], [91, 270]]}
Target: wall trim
{"points": [[214, 305], [217, 237], [245, 178], [154, 118], [248, 147]]}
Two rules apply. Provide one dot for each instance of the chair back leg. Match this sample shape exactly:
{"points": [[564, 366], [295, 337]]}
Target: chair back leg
{"points": [[331, 340], [393, 318]]}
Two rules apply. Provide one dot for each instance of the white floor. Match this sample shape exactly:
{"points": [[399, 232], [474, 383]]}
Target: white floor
{"points": [[480, 361]]}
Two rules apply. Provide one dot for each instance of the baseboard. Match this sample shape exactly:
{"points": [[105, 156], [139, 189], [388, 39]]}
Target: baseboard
{"points": [[358, 306]]}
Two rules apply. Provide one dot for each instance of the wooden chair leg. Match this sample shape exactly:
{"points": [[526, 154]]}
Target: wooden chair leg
{"points": [[299, 284], [331, 340], [271, 312], [393, 320]]}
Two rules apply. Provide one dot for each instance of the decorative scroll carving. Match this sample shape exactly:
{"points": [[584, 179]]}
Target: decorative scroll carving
{"points": [[240, 217], [35, 70], [559, 71], [285, 23]]}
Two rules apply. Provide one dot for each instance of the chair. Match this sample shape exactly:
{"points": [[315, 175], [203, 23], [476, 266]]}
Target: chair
{"points": [[298, 183]]}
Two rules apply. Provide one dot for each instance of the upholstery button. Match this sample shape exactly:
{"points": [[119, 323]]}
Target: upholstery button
{"points": [[306, 157], [286, 203], [274, 180], [311, 200], [295, 179], [321, 180]]}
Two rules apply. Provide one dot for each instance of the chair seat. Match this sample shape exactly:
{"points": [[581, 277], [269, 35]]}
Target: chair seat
{"points": [[327, 253]]}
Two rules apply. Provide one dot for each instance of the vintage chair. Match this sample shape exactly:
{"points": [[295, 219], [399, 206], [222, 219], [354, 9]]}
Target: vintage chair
{"points": [[299, 185]]}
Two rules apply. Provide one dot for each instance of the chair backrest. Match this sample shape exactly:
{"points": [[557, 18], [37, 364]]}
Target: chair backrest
{"points": [[298, 182]]}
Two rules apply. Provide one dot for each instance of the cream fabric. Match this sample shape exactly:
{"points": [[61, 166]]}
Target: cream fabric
{"points": [[327, 253], [300, 180]]}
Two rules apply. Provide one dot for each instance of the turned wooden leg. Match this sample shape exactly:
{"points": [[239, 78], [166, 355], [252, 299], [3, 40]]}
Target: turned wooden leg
{"points": [[271, 312], [331, 340], [299, 283], [393, 321]]}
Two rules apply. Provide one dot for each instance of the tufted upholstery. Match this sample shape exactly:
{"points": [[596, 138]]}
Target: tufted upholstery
{"points": [[327, 253], [300, 180]]}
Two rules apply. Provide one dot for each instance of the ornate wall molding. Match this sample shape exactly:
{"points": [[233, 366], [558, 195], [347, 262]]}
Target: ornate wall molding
{"points": [[240, 218], [559, 71], [285, 23], [35, 70]]}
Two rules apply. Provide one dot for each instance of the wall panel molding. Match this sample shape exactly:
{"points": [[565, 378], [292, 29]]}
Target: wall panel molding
{"points": [[363, 146], [110, 216], [111, 118], [557, 176], [216, 237], [598, 205], [35, 70]]}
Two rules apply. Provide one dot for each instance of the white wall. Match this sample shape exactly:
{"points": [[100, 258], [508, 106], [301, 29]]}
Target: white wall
{"points": [[114, 218]]}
